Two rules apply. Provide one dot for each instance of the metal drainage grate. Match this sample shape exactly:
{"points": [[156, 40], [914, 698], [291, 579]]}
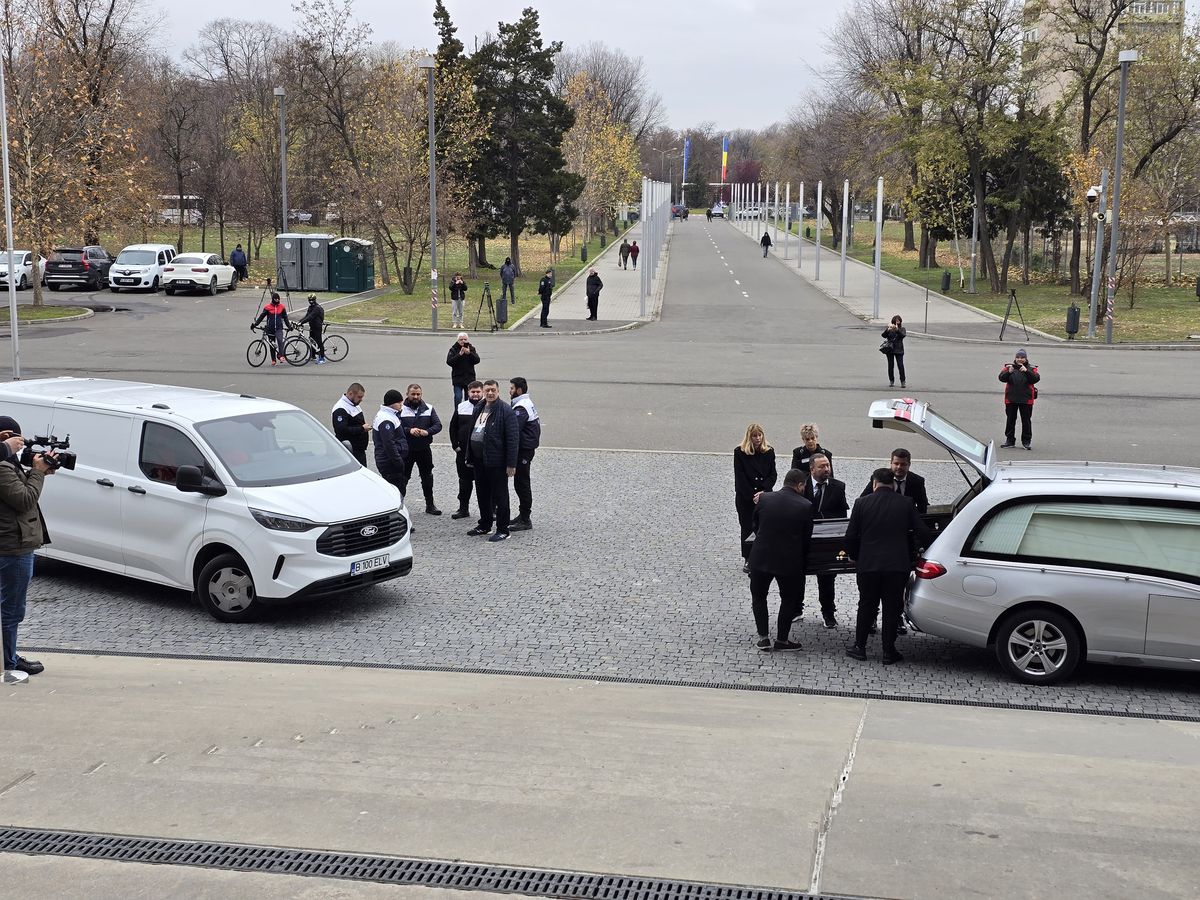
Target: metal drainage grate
{"points": [[384, 869]]}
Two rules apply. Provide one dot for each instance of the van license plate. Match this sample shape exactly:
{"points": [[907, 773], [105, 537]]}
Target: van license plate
{"points": [[369, 565]]}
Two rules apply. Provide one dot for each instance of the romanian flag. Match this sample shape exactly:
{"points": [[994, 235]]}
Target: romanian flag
{"points": [[724, 158]]}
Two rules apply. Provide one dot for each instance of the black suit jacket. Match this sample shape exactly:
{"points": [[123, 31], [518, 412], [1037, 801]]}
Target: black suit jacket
{"points": [[783, 526], [833, 499], [914, 489], [877, 538]]}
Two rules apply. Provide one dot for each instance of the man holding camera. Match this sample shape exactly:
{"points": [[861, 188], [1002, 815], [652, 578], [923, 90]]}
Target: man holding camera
{"points": [[22, 531]]}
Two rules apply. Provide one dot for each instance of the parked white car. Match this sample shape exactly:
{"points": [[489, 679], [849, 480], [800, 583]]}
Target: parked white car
{"points": [[139, 267], [748, 212], [198, 272], [24, 268], [245, 501]]}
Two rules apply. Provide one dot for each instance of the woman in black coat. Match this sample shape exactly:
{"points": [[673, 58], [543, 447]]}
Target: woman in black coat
{"points": [[594, 286], [753, 472], [894, 335]]}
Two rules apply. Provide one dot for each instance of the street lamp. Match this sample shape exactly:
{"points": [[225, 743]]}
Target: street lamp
{"points": [[662, 158], [1126, 58], [429, 64], [8, 240], [282, 94]]}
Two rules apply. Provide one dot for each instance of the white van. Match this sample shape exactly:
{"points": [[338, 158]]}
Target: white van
{"points": [[243, 500], [139, 266]]}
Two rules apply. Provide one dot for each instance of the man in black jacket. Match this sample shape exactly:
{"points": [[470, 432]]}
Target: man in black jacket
{"points": [[877, 539], [828, 498], [906, 482], [592, 289], [462, 360], [314, 318], [460, 440], [493, 446], [350, 422], [783, 524], [531, 438], [420, 423], [391, 447], [546, 291]]}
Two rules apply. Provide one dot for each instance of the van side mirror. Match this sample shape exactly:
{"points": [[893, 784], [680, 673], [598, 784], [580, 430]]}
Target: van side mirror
{"points": [[191, 480]]}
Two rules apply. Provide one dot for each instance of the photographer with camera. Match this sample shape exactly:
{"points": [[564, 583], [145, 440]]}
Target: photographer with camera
{"points": [[22, 531], [1020, 379]]}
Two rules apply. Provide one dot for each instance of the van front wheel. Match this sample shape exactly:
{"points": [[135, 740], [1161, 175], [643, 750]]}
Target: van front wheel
{"points": [[225, 588]]}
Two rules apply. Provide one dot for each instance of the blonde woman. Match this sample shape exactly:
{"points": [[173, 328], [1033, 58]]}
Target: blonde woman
{"points": [[753, 472], [802, 455]]}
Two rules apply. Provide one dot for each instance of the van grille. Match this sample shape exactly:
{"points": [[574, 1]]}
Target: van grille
{"points": [[347, 538]]}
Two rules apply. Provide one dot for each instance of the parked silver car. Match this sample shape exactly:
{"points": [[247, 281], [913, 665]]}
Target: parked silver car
{"points": [[1051, 563]]}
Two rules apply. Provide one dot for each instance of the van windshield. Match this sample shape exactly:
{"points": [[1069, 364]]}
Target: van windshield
{"points": [[137, 258], [276, 448]]}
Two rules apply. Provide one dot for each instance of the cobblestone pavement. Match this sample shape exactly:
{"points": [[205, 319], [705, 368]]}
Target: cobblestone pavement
{"points": [[631, 571]]}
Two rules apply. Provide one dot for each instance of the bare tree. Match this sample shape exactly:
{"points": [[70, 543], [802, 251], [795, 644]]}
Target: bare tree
{"points": [[624, 81], [178, 126]]}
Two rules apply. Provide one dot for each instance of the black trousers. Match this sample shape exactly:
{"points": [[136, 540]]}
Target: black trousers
{"points": [[317, 336], [506, 290], [875, 588], [466, 479], [1011, 410], [825, 592], [745, 514], [593, 305], [895, 360], [521, 484], [491, 490], [545, 311], [421, 456], [791, 600]]}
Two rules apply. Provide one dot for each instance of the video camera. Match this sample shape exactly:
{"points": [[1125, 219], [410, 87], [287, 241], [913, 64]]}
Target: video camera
{"points": [[44, 443]]}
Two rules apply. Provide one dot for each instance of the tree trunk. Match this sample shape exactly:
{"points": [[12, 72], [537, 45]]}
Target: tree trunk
{"points": [[923, 252], [472, 258], [514, 250], [481, 252], [1025, 260], [221, 231], [1011, 239], [384, 275], [1167, 256], [179, 187], [1076, 237], [931, 252], [909, 238]]}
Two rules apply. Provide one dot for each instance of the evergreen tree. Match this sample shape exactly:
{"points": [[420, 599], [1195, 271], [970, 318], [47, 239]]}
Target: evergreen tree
{"points": [[698, 192]]}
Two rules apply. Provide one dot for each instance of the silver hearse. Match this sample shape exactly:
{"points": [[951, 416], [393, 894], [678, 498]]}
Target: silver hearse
{"points": [[1052, 563]]}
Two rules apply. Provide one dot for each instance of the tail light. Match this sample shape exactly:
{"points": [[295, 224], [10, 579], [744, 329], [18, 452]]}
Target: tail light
{"points": [[199, 269], [168, 268], [86, 265], [927, 568]]}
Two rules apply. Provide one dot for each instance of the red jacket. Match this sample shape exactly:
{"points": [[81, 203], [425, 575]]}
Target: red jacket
{"points": [[1018, 385]]}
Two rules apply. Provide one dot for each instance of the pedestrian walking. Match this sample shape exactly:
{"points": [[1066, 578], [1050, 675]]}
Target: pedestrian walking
{"points": [[624, 250], [634, 252], [754, 473], [420, 423], [907, 483], [462, 359], [811, 446], [893, 348], [545, 292], [276, 325], [238, 260], [508, 277], [530, 425], [828, 498], [708, 214], [783, 526], [314, 318], [460, 441], [878, 539], [494, 444], [593, 288], [458, 297], [391, 446], [1020, 379], [350, 422], [766, 243], [22, 531]]}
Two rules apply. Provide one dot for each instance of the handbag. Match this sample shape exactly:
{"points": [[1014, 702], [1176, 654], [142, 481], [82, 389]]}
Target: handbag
{"points": [[885, 347]]}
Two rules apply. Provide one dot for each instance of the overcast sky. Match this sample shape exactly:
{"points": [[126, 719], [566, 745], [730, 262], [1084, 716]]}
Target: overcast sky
{"points": [[739, 63]]}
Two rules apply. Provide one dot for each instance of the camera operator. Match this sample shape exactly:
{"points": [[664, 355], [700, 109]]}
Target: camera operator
{"points": [[1020, 391], [22, 531]]}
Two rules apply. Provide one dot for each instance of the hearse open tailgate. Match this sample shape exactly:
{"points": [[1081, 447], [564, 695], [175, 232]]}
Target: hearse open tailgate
{"points": [[918, 417]]}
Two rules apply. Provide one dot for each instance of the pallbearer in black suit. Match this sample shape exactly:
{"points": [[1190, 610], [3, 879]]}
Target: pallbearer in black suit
{"points": [[753, 473], [907, 483], [783, 525], [877, 539], [828, 498]]}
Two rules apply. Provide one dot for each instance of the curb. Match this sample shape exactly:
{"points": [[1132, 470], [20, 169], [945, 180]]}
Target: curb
{"points": [[428, 332], [86, 314]]}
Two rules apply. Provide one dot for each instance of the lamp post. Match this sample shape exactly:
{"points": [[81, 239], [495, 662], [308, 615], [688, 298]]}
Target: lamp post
{"points": [[282, 95], [845, 226], [8, 242], [428, 64], [662, 159], [1097, 268], [1126, 58]]}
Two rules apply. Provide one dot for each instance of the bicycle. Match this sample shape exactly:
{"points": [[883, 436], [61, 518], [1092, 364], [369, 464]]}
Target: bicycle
{"points": [[300, 348], [260, 349]]}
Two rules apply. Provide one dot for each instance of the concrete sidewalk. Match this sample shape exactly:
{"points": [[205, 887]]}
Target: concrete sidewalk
{"points": [[870, 798], [946, 317]]}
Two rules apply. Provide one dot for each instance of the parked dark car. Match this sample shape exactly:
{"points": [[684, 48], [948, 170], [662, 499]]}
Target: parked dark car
{"points": [[679, 211], [85, 267]]}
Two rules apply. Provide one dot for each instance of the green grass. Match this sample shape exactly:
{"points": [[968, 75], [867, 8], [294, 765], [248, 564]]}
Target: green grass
{"points": [[47, 313], [1160, 313]]}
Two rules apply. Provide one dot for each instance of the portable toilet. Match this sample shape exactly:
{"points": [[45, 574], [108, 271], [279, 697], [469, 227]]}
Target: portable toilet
{"points": [[351, 265], [289, 271], [315, 259]]}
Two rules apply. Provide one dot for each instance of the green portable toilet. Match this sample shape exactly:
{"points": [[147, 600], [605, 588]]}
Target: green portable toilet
{"points": [[351, 265]]}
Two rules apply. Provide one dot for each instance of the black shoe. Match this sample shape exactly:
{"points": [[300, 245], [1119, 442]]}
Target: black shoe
{"points": [[764, 644], [786, 647], [901, 629], [547, 326], [461, 514], [890, 658], [746, 568], [29, 666], [476, 531], [830, 621], [1028, 446], [903, 385], [857, 652], [498, 536], [431, 510], [520, 525], [1008, 445]]}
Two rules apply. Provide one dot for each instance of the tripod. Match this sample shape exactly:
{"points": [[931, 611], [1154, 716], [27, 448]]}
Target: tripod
{"points": [[1012, 300], [486, 297]]}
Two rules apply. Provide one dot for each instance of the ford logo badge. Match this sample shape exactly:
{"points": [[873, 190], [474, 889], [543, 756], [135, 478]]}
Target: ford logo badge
{"points": [[369, 530]]}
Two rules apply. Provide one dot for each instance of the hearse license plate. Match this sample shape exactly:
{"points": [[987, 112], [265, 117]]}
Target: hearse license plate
{"points": [[369, 565]]}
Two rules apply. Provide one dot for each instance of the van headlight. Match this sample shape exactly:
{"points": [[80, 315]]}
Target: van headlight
{"points": [[276, 522]]}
